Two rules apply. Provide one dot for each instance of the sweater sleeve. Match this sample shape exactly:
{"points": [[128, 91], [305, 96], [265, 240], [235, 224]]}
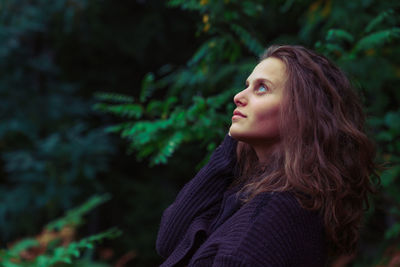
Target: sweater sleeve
{"points": [[197, 196], [280, 234]]}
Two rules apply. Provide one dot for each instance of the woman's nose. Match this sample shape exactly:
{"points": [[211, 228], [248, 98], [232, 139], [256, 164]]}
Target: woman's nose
{"points": [[240, 99]]}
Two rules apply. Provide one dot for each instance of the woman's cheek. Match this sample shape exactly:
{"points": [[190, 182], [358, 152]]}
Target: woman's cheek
{"points": [[268, 121]]}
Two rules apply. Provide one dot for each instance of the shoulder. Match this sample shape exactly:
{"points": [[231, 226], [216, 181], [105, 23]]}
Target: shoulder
{"points": [[281, 231], [282, 211], [284, 203]]}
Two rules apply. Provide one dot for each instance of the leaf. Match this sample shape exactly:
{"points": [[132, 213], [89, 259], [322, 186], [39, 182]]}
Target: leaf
{"points": [[148, 87], [66, 260], [22, 245], [113, 97], [168, 147], [201, 52], [339, 35], [123, 110], [377, 39], [185, 4], [168, 104], [251, 43], [251, 9], [288, 4], [74, 216], [378, 20], [9, 264]]}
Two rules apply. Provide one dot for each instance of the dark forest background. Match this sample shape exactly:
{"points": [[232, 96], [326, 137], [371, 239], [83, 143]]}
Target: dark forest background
{"points": [[109, 107]]}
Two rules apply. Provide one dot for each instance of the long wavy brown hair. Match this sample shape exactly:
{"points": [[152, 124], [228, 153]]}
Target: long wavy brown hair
{"points": [[325, 157]]}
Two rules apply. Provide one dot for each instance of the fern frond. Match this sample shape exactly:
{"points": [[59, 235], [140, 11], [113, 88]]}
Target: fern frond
{"points": [[22, 245], [124, 110], [378, 20], [188, 77], [198, 107], [225, 71], [61, 254], [330, 49], [377, 39], [251, 9], [147, 87], [249, 41], [185, 4], [167, 149], [74, 216], [113, 97], [220, 99], [339, 35], [154, 107], [168, 104], [118, 127], [201, 52], [73, 250]]}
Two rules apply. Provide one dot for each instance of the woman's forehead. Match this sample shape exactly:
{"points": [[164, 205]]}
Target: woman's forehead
{"points": [[270, 69]]}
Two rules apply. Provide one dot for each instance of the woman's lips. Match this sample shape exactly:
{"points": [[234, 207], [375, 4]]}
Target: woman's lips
{"points": [[237, 114]]}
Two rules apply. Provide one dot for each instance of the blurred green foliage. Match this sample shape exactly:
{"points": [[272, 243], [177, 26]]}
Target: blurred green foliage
{"points": [[49, 147], [163, 75], [54, 246], [54, 150]]}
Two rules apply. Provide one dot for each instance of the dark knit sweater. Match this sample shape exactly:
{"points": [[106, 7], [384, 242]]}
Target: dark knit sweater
{"points": [[208, 226]]}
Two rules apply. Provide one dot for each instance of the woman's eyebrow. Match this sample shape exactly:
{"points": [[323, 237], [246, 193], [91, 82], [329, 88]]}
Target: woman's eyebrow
{"points": [[261, 80]]}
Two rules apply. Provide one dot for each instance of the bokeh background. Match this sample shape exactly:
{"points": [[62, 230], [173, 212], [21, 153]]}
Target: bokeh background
{"points": [[109, 107]]}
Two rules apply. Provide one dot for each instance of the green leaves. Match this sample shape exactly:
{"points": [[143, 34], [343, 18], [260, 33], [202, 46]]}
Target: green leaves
{"points": [[185, 4], [113, 97], [147, 87], [123, 110], [124, 106], [72, 251], [380, 31], [18, 248], [50, 255], [380, 19], [74, 217], [167, 148], [378, 39], [170, 124], [197, 98], [251, 43], [49, 143], [339, 35]]}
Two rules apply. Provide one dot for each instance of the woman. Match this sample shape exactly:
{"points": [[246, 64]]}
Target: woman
{"points": [[289, 183]]}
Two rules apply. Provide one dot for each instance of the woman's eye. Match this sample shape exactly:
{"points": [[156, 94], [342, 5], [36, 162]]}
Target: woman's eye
{"points": [[261, 89]]}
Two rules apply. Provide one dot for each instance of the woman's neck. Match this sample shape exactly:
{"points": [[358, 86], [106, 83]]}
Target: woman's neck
{"points": [[264, 152]]}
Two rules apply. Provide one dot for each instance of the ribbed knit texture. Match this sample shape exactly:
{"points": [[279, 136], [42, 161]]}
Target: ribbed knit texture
{"points": [[208, 226]]}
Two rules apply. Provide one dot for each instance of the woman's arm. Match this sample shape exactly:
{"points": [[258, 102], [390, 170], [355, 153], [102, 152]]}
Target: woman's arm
{"points": [[200, 194]]}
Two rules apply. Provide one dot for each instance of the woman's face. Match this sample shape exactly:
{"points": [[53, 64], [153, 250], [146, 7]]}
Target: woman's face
{"points": [[256, 118]]}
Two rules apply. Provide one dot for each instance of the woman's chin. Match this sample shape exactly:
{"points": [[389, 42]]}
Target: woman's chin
{"points": [[236, 134]]}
